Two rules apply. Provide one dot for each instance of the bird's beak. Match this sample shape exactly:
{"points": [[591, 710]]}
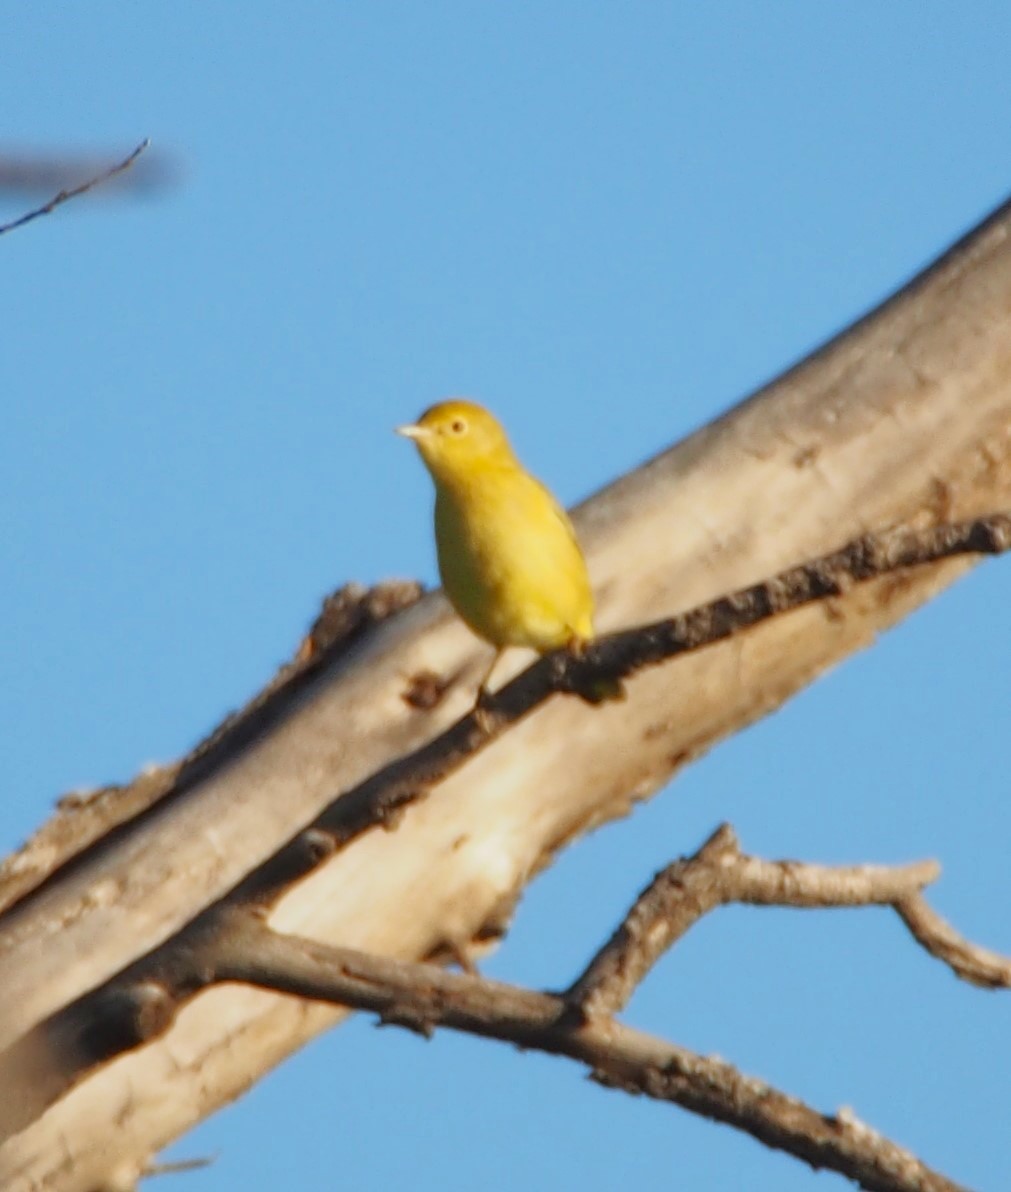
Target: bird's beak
{"points": [[413, 432]]}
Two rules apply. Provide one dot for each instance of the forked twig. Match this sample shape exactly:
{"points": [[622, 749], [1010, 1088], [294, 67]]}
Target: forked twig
{"points": [[233, 942]]}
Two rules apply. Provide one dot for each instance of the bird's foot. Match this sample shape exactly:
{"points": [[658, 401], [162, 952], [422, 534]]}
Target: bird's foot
{"points": [[591, 688]]}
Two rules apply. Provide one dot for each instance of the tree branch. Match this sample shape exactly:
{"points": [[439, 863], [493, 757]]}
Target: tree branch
{"points": [[844, 440], [101, 1024], [234, 943], [978, 966], [422, 997], [620, 655], [65, 196], [579, 1023], [717, 875], [383, 797]]}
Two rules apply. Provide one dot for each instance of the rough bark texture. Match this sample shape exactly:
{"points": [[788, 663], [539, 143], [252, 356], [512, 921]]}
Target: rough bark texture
{"points": [[906, 418]]}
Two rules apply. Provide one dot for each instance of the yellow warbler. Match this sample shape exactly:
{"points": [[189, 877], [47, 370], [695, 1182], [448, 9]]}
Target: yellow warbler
{"points": [[508, 555]]}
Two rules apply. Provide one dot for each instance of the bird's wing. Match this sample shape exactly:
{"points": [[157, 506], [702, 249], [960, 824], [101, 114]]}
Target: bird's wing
{"points": [[562, 516]]}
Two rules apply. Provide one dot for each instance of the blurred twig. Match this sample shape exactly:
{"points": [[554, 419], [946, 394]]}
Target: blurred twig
{"points": [[179, 1165], [73, 192]]}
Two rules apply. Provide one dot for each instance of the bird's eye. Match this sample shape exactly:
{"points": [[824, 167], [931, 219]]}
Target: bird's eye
{"points": [[458, 426]]}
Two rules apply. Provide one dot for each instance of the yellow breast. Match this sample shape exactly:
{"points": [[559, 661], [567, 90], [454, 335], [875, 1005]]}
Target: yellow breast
{"points": [[509, 560]]}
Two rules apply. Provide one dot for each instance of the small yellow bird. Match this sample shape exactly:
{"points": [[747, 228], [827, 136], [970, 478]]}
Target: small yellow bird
{"points": [[508, 556]]}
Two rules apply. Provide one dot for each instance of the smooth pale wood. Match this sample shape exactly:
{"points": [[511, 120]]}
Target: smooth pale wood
{"points": [[904, 418]]}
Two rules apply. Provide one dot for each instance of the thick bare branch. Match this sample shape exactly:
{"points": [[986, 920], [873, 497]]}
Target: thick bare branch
{"points": [[618, 655], [74, 192], [346, 616], [103, 1025], [382, 798]]}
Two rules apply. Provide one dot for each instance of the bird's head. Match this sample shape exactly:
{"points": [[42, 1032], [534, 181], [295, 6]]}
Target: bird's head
{"points": [[458, 437]]}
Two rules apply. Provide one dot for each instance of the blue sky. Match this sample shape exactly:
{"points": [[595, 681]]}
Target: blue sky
{"points": [[609, 222]]}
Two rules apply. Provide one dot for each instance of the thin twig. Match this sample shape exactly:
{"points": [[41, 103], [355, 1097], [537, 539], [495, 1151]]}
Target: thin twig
{"points": [[65, 196], [619, 655], [978, 966], [717, 875], [177, 1166]]}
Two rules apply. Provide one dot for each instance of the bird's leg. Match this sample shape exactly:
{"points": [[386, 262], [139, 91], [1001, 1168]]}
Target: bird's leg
{"points": [[481, 703], [460, 953], [576, 646], [482, 690]]}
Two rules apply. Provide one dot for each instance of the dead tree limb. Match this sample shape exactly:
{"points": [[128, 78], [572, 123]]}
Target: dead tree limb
{"points": [[110, 1021], [904, 420], [236, 944]]}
